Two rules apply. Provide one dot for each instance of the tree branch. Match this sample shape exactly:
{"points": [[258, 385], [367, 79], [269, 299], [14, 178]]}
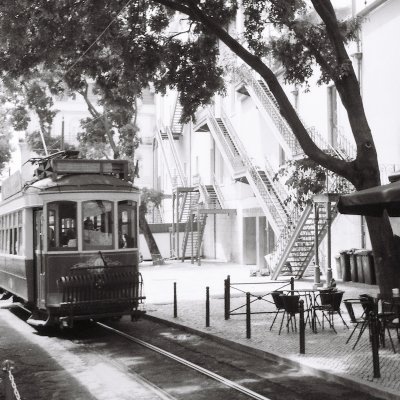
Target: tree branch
{"points": [[310, 148]]}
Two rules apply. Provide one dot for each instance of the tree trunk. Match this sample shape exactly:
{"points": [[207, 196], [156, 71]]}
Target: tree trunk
{"points": [[148, 235]]}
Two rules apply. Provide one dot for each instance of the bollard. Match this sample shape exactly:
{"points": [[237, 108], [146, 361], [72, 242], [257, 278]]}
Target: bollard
{"points": [[10, 387], [248, 326], [375, 344], [227, 296], [302, 328], [175, 302], [207, 306], [292, 285]]}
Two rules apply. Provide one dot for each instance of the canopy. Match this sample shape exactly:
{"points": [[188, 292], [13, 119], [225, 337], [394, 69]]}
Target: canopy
{"points": [[372, 201]]}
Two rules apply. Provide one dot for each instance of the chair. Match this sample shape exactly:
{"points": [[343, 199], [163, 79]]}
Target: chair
{"points": [[329, 306], [291, 307], [357, 320], [279, 306]]}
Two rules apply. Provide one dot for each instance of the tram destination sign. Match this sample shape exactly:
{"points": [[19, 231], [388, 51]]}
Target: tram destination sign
{"points": [[81, 166], [11, 185]]}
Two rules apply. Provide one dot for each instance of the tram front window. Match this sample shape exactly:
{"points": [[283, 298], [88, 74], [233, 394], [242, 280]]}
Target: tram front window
{"points": [[127, 224], [61, 224], [97, 225]]}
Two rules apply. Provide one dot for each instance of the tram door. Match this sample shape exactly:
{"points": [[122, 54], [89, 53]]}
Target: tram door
{"points": [[38, 238]]}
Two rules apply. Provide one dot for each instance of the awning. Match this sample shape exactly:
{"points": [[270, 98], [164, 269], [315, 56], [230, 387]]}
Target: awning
{"points": [[372, 201]]}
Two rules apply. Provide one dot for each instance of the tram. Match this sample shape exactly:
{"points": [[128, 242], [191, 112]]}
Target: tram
{"points": [[69, 240]]}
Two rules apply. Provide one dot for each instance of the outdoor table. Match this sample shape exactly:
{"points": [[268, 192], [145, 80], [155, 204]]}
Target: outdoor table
{"points": [[311, 294]]}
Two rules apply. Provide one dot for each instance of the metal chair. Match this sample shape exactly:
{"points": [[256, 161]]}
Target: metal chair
{"points": [[330, 302], [357, 320], [291, 306], [279, 306]]}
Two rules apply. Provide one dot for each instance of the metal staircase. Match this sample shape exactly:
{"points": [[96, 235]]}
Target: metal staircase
{"points": [[267, 103], [176, 125], [270, 195], [294, 245]]}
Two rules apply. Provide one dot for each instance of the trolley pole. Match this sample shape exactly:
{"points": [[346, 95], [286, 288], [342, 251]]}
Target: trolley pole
{"points": [[207, 306], [175, 302]]}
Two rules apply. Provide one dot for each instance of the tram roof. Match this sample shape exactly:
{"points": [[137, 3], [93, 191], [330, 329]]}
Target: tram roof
{"points": [[82, 182]]}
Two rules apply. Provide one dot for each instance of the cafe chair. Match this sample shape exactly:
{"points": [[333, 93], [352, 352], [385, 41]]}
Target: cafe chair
{"points": [[291, 307], [279, 306], [329, 304], [385, 317], [360, 320]]}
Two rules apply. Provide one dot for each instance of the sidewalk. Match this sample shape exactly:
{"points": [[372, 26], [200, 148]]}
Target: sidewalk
{"points": [[326, 352]]}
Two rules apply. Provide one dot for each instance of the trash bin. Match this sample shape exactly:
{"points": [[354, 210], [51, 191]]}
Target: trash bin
{"points": [[345, 264], [369, 267], [360, 255], [339, 273], [353, 265]]}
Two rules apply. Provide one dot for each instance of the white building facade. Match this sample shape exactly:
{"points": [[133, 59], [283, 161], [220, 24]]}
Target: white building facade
{"points": [[221, 166]]}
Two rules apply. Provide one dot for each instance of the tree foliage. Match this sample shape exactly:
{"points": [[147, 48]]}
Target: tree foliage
{"points": [[123, 44]]}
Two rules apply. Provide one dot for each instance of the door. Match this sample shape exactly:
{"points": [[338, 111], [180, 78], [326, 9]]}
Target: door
{"points": [[38, 257]]}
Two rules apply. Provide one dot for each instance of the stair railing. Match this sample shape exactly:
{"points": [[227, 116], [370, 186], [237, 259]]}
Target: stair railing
{"points": [[166, 159], [176, 158], [271, 106], [175, 115], [279, 213], [218, 191], [235, 159]]}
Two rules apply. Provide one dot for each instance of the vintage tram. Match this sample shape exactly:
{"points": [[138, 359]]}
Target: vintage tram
{"points": [[69, 240]]}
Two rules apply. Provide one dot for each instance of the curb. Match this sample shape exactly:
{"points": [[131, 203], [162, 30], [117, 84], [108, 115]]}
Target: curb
{"points": [[362, 386]]}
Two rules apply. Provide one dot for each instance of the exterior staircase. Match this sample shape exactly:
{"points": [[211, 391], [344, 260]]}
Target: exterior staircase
{"points": [[176, 125], [294, 246], [187, 213], [271, 195]]}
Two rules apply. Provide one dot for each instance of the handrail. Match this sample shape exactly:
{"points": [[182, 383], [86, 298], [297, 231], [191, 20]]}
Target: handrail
{"points": [[181, 175], [271, 106], [218, 191], [279, 213], [160, 142], [174, 112], [235, 159]]}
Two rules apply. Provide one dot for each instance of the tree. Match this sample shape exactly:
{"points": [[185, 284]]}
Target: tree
{"points": [[130, 43]]}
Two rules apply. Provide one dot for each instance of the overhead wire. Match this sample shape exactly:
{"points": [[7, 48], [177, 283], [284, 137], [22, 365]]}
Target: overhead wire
{"points": [[86, 51]]}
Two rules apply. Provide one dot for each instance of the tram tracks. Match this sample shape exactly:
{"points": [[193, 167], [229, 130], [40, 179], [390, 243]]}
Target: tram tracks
{"points": [[227, 382]]}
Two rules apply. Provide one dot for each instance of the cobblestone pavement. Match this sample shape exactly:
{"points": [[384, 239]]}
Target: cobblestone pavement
{"points": [[325, 351]]}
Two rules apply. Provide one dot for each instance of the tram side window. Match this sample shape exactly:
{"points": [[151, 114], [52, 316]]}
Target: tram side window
{"points": [[127, 224], [97, 225], [61, 225], [11, 233]]}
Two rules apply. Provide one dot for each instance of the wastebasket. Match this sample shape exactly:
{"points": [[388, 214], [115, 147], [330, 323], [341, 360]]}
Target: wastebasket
{"points": [[360, 255], [368, 267], [345, 264], [353, 265], [339, 273]]}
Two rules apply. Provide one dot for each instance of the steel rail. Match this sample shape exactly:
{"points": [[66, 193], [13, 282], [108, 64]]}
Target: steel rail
{"points": [[187, 363]]}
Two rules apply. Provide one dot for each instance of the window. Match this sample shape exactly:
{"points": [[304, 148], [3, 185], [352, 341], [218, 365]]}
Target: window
{"points": [[61, 225], [11, 233], [127, 222], [97, 225]]}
